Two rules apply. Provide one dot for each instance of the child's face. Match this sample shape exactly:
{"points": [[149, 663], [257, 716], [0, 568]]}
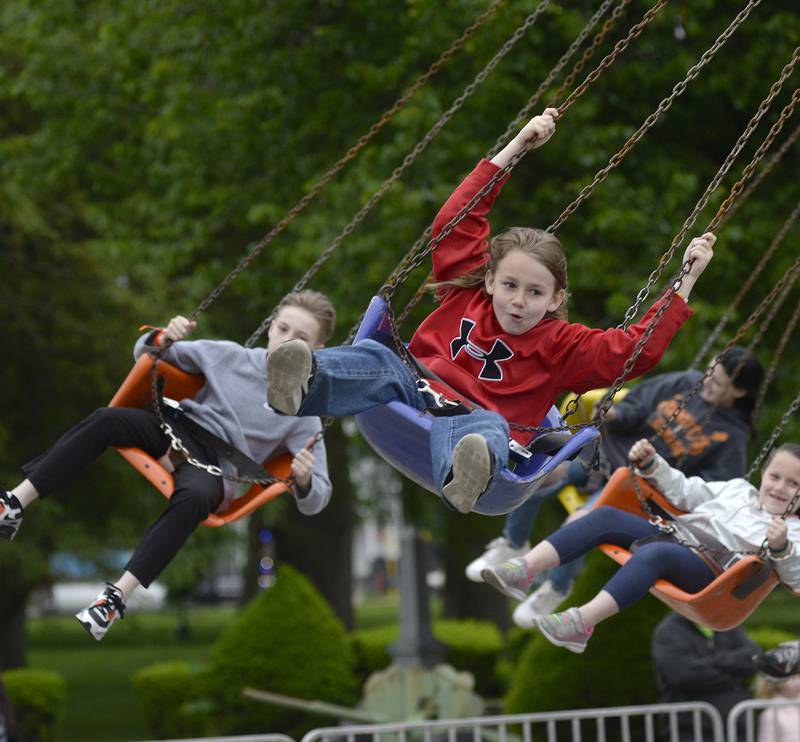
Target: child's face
{"points": [[780, 482], [719, 390], [294, 323], [522, 292]]}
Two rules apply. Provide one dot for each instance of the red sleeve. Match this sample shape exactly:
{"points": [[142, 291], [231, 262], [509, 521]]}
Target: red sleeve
{"points": [[464, 249], [591, 358]]}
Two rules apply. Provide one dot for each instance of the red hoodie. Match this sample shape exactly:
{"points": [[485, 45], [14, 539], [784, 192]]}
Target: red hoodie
{"points": [[519, 376]]}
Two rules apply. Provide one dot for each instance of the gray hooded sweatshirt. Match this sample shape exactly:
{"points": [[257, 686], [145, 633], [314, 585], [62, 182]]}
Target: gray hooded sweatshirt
{"points": [[232, 405]]}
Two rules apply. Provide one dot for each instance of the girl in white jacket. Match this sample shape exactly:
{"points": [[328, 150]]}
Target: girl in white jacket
{"points": [[733, 513]]}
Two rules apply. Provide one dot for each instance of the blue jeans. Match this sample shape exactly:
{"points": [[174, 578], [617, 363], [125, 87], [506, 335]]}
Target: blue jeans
{"points": [[353, 378]]}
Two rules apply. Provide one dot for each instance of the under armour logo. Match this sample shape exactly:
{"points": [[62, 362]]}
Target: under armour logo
{"points": [[500, 352]]}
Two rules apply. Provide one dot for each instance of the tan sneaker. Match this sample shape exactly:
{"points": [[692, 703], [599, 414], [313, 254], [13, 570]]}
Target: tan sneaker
{"points": [[288, 369], [472, 469]]}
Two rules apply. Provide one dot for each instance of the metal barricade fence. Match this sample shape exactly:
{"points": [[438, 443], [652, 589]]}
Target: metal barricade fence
{"points": [[241, 738], [619, 724], [777, 718]]}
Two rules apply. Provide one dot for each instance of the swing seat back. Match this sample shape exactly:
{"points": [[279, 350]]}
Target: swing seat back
{"points": [[136, 391], [725, 602], [400, 434]]}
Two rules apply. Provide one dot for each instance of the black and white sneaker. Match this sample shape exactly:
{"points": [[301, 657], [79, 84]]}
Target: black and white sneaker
{"points": [[472, 470], [288, 370], [10, 515], [107, 608]]}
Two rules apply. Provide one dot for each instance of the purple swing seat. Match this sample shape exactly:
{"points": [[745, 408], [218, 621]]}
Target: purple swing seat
{"points": [[400, 434]]}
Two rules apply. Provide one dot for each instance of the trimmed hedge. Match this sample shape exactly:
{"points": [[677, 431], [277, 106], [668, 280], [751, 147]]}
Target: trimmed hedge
{"points": [[171, 696], [474, 646], [39, 701], [615, 669], [287, 640], [136, 630]]}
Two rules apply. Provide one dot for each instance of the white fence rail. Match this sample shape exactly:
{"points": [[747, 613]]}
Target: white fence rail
{"points": [[769, 720], [625, 723]]}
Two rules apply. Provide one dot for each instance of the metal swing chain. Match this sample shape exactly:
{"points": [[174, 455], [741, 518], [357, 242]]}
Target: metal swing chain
{"points": [[410, 158], [769, 375], [348, 156], [748, 284], [774, 309], [176, 443], [607, 401], [767, 447], [521, 116], [525, 111], [666, 526], [790, 276], [388, 291]]}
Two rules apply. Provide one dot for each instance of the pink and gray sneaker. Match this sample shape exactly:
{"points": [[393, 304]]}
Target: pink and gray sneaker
{"points": [[565, 629]]}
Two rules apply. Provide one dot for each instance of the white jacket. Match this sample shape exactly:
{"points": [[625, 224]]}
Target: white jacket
{"points": [[730, 512]]}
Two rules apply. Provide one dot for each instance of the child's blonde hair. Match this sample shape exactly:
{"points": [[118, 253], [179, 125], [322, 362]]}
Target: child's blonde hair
{"points": [[316, 304], [537, 243]]}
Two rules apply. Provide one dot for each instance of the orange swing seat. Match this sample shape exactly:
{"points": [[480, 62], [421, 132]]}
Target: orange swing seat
{"points": [[135, 391], [724, 603]]}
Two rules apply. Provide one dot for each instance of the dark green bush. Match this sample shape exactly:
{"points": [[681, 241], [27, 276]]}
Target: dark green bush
{"points": [[136, 630], [39, 701], [172, 699], [287, 640], [768, 637], [472, 645], [615, 669]]}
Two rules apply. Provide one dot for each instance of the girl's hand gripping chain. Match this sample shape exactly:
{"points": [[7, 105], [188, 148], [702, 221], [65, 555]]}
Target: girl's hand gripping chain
{"points": [[643, 456], [302, 466], [699, 254], [534, 134], [179, 328], [778, 536]]}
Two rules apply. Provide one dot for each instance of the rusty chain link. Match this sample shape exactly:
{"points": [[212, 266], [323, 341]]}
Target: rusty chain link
{"points": [[410, 158], [770, 163], [522, 115], [773, 367], [651, 120], [747, 285], [767, 447], [348, 156], [766, 302]]}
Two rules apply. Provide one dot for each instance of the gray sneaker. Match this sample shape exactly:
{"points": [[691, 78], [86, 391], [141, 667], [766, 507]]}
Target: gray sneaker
{"points": [[288, 369], [565, 630], [472, 470], [10, 515], [510, 578], [545, 599]]}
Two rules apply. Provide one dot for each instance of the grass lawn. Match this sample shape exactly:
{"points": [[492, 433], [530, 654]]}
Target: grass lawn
{"points": [[100, 703]]}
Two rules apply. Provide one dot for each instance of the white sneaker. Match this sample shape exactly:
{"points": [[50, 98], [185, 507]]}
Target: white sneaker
{"points": [[541, 602], [497, 551]]}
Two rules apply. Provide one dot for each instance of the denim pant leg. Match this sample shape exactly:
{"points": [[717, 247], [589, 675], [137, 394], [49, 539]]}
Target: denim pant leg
{"points": [[349, 379], [520, 522], [446, 432]]}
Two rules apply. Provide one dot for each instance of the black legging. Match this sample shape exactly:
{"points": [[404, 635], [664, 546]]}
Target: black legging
{"points": [[197, 493]]}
